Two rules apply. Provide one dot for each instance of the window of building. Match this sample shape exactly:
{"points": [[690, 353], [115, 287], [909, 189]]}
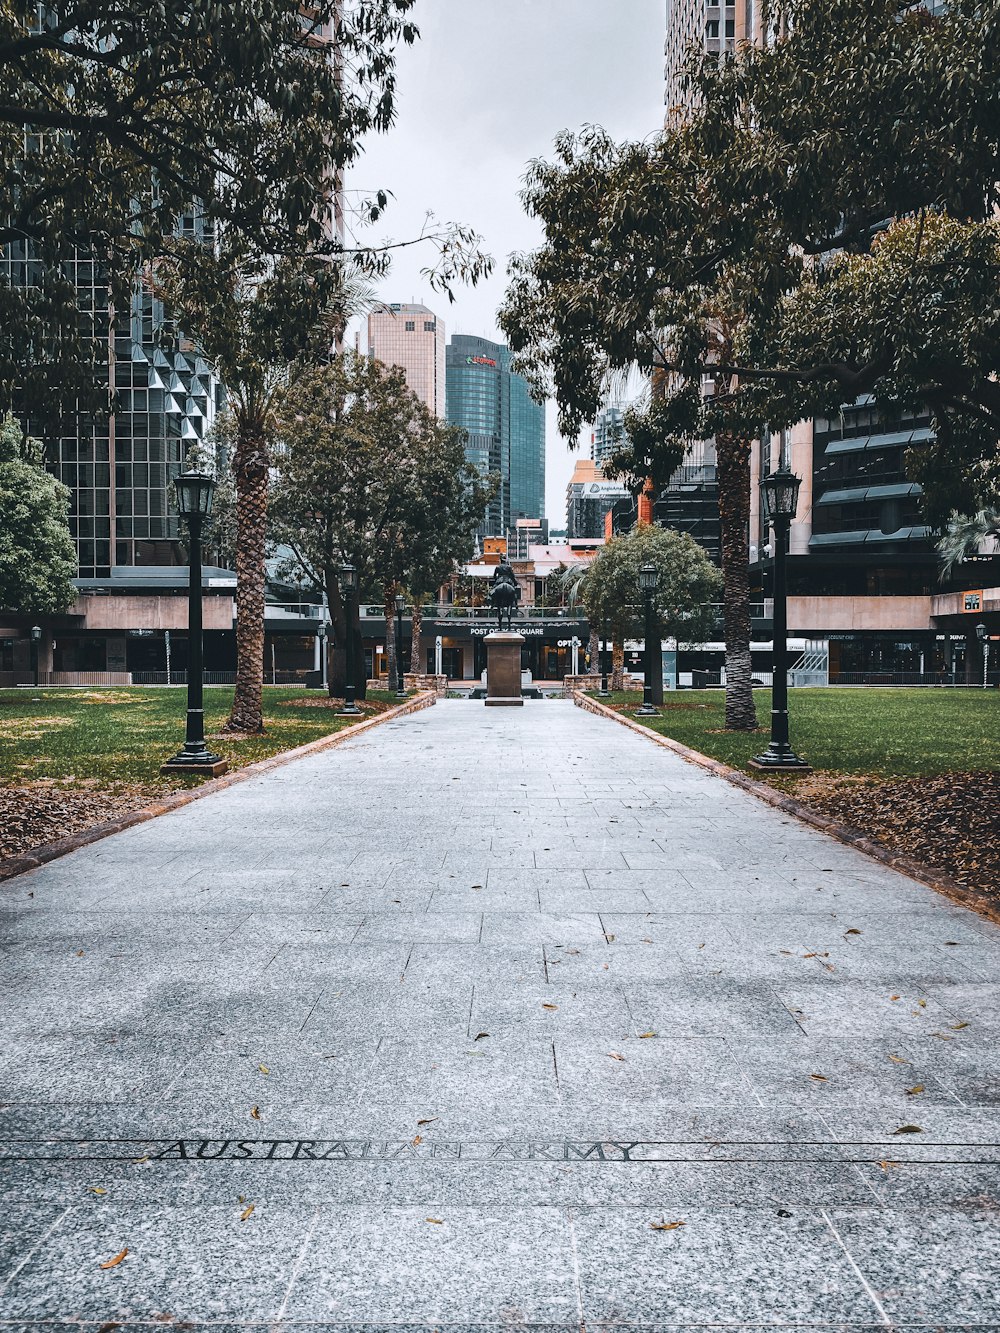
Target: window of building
{"points": [[712, 28], [411, 325], [730, 27], [429, 325]]}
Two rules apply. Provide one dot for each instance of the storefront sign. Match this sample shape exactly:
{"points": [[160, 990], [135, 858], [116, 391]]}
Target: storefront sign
{"points": [[972, 601]]}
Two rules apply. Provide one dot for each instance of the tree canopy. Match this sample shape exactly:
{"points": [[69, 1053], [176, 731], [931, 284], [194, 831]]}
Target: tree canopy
{"points": [[37, 556], [689, 585], [868, 127], [117, 119]]}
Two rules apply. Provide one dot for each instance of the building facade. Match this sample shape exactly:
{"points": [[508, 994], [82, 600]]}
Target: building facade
{"points": [[714, 27], [607, 434], [504, 425], [413, 338], [589, 498]]}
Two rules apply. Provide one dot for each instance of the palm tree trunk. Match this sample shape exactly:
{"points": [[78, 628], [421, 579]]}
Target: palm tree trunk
{"points": [[250, 470], [617, 665], [389, 601], [415, 646], [733, 458], [594, 650]]}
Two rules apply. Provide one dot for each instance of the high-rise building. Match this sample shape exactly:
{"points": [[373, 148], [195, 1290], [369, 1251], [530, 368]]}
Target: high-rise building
{"points": [[713, 26], [411, 337], [589, 496], [505, 427], [119, 468], [607, 434]]}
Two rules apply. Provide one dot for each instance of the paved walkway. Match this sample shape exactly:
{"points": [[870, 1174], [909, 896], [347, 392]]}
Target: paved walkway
{"points": [[495, 1019]]}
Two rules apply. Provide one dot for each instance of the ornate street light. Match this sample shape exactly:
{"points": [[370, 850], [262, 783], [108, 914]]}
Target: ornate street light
{"points": [[349, 591], [649, 579], [195, 492], [36, 639], [983, 635], [400, 608], [604, 692], [779, 493]]}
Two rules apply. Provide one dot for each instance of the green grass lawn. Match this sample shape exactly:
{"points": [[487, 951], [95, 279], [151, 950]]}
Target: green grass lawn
{"points": [[890, 733], [108, 737]]}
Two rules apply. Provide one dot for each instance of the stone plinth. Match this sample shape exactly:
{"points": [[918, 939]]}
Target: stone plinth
{"points": [[503, 670]]}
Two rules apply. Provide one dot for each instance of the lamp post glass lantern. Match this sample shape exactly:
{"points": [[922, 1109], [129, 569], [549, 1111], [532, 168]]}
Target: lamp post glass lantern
{"points": [[195, 492], [400, 608], [649, 579], [349, 591], [779, 494]]}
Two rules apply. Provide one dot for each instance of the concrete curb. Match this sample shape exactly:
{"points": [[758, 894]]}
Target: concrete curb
{"points": [[935, 879], [50, 851]]}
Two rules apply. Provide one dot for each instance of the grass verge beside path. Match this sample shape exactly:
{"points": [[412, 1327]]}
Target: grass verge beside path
{"points": [[916, 770], [70, 759]]}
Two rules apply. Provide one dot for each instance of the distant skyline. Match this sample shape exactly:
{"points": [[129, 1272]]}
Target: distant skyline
{"points": [[479, 96]]}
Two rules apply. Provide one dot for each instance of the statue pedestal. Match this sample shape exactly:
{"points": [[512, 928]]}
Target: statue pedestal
{"points": [[503, 670]]}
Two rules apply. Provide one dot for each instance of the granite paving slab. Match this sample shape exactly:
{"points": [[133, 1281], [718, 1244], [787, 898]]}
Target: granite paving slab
{"points": [[493, 1022]]}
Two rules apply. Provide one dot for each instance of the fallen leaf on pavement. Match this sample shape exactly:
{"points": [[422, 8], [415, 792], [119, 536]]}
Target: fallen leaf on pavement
{"points": [[957, 1027], [820, 1078], [917, 1088], [480, 1035], [898, 1060], [113, 1263], [550, 1006], [886, 1163], [79, 953], [436, 1220], [246, 1212], [98, 1189], [615, 1056], [908, 1129], [417, 1140], [647, 1034], [853, 931], [429, 1121], [264, 1069], [666, 1226], [894, 997], [255, 1112]]}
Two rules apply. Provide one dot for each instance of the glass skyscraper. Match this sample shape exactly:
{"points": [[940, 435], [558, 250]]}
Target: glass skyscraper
{"points": [[505, 426]]}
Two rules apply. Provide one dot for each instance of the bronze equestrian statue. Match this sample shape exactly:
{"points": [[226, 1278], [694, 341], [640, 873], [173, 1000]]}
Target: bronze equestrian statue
{"points": [[505, 594]]}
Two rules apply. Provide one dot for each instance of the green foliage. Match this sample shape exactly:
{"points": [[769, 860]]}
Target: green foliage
{"points": [[705, 252], [37, 556], [689, 584], [367, 475], [115, 117]]}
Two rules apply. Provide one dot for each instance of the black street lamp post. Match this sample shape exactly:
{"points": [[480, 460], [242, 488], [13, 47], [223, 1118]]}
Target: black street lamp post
{"points": [[649, 578], [779, 495], [195, 492], [983, 635], [349, 590], [604, 691], [400, 608], [36, 638]]}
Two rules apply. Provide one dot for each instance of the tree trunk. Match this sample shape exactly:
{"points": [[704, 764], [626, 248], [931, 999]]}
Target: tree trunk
{"points": [[415, 647], [617, 665], [337, 643], [389, 600], [250, 471], [733, 460], [360, 673], [594, 649]]}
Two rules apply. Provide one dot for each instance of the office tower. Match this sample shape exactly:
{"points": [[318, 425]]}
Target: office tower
{"points": [[411, 337], [714, 27], [607, 434], [505, 427], [589, 497]]}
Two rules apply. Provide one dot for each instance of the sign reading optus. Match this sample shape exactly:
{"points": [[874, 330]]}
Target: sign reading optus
{"points": [[480, 361]]}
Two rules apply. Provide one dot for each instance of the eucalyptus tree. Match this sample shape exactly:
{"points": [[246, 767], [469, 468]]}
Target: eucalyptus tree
{"points": [[115, 118], [366, 475], [689, 586], [708, 257], [37, 555]]}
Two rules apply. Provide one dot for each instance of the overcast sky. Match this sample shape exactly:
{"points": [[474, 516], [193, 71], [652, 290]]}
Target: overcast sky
{"points": [[485, 89]]}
